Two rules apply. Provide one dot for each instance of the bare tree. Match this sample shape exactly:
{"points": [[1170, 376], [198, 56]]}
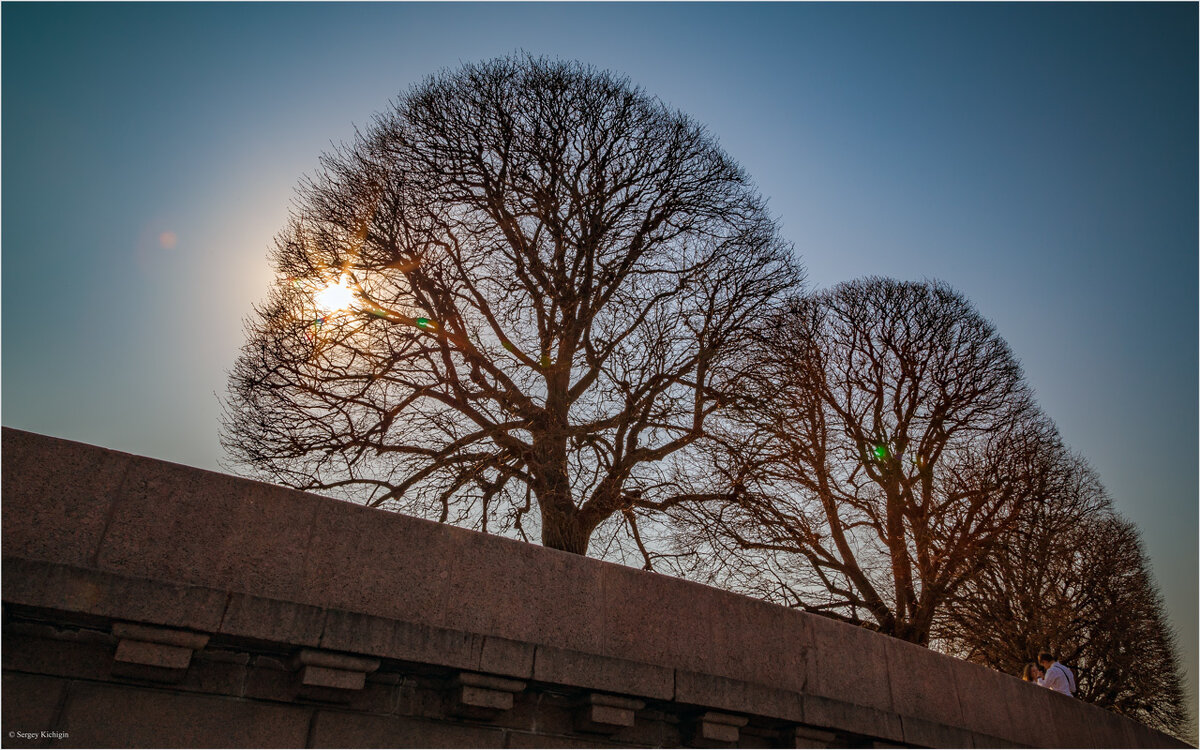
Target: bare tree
{"points": [[518, 299], [888, 442], [1072, 578]]}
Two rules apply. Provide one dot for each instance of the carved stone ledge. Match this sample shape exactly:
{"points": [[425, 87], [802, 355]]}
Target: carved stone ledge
{"points": [[148, 652], [714, 729], [482, 696], [330, 676], [605, 714], [810, 737]]}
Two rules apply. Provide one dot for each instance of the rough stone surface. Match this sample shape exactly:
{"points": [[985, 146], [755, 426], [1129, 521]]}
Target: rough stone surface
{"points": [[166, 636], [339, 729], [153, 654], [922, 684], [852, 717], [810, 737], [119, 716], [735, 695], [65, 493], [30, 705], [603, 673], [211, 532], [338, 679], [272, 620]]}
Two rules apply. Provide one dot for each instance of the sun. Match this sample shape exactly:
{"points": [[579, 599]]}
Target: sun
{"points": [[335, 296]]}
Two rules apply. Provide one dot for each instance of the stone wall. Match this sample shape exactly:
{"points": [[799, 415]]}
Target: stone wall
{"points": [[152, 604]]}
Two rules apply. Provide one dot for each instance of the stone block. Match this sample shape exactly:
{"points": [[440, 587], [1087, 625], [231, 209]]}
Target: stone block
{"points": [[735, 695], [186, 525], [985, 697], [1072, 722], [506, 657], [595, 672], [71, 589], [535, 595], [98, 715], [403, 641], [811, 737], [852, 718], [482, 696], [272, 679], [642, 622], [605, 714], [378, 563], [922, 733], [473, 697], [184, 639], [849, 665], [338, 679], [340, 729], [491, 682], [248, 616], [58, 494], [331, 676], [375, 697], [30, 706], [923, 684], [336, 661], [988, 740], [539, 739], [715, 729], [217, 671], [153, 655], [55, 653]]}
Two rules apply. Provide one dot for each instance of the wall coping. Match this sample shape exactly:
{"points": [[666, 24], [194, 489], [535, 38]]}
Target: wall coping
{"points": [[104, 534]]}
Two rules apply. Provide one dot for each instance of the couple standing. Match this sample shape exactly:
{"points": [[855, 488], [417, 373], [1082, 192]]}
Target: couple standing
{"points": [[1051, 674]]}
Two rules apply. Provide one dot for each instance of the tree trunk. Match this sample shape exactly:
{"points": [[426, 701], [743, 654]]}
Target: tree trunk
{"points": [[562, 528]]}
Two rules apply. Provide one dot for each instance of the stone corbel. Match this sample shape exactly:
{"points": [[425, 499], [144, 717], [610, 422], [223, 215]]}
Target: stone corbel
{"points": [[483, 696], [149, 652], [605, 714], [330, 676], [713, 729], [809, 737]]}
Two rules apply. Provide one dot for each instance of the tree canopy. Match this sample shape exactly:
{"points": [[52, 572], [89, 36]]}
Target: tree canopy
{"points": [[518, 300], [887, 442]]}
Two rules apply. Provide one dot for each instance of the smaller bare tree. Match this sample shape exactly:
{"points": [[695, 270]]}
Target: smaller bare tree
{"points": [[887, 443], [1071, 577]]}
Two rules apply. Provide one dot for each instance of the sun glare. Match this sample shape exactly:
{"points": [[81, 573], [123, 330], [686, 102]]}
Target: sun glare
{"points": [[336, 296]]}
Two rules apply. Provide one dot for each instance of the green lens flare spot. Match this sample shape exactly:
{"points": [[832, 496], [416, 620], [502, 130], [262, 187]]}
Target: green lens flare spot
{"points": [[880, 452], [427, 324]]}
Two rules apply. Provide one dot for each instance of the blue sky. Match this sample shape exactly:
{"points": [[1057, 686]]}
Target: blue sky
{"points": [[1041, 158]]}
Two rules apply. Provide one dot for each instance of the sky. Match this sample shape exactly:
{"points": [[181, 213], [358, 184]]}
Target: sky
{"points": [[1040, 158]]}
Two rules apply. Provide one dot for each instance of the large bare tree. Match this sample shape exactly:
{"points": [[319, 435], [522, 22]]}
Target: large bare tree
{"points": [[1072, 578], [888, 442], [517, 301]]}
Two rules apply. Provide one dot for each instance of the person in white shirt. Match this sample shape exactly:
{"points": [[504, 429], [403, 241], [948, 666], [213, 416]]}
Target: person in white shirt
{"points": [[1057, 676]]}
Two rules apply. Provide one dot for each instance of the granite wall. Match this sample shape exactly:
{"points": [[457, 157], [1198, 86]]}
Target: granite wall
{"points": [[151, 604]]}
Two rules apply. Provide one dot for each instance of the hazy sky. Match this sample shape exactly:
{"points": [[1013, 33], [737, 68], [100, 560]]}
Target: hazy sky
{"points": [[1041, 158]]}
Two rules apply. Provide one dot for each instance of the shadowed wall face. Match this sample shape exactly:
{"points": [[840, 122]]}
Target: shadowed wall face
{"points": [[253, 615]]}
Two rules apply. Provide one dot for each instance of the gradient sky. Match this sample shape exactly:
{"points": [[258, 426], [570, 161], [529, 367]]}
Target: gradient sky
{"points": [[1041, 158]]}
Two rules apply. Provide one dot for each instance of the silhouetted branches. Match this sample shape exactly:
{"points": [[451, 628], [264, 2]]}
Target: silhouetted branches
{"points": [[553, 277], [887, 442], [1071, 578]]}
